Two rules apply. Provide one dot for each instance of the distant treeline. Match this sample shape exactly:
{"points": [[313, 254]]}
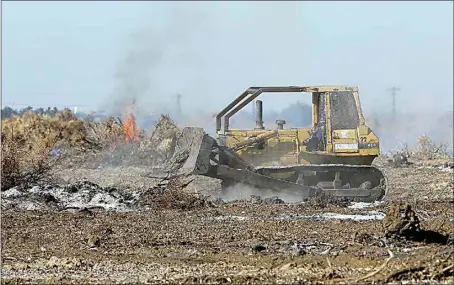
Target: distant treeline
{"points": [[8, 112], [296, 115]]}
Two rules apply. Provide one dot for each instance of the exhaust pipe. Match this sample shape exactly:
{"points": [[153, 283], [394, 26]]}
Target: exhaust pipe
{"points": [[259, 115], [280, 124]]}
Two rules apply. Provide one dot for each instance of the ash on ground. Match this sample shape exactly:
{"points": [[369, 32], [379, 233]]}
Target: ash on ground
{"points": [[88, 195], [78, 195]]}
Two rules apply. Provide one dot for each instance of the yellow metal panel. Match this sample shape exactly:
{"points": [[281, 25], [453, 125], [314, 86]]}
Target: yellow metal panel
{"points": [[369, 151], [363, 130], [358, 108], [329, 145]]}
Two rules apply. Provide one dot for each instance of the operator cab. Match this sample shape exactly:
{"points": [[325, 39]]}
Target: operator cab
{"points": [[343, 114]]}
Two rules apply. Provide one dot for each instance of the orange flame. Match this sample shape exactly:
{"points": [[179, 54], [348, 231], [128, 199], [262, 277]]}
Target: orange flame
{"points": [[130, 129]]}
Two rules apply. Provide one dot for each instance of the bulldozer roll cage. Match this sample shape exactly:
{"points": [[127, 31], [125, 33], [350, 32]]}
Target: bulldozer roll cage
{"points": [[253, 92]]}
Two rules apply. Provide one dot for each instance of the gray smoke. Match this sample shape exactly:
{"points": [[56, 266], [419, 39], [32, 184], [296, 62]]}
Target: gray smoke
{"points": [[202, 55], [154, 51], [244, 192], [407, 127], [210, 60]]}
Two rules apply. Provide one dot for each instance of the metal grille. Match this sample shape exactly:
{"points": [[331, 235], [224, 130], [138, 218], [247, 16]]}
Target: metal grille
{"points": [[321, 109], [344, 114]]}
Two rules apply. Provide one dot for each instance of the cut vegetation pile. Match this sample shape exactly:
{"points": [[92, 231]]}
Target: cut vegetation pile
{"points": [[113, 149], [426, 152], [33, 145]]}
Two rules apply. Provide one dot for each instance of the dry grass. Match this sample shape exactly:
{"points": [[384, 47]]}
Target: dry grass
{"points": [[37, 132], [103, 135], [426, 150], [20, 168], [28, 140]]}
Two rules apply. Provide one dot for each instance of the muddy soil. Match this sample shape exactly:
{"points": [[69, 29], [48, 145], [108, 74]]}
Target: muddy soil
{"points": [[249, 241]]}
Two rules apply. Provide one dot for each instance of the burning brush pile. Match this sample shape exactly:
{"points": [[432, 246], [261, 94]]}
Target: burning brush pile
{"points": [[33, 145], [127, 145]]}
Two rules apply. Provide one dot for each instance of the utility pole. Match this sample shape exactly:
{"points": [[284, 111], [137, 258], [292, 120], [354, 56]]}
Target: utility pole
{"points": [[393, 94]]}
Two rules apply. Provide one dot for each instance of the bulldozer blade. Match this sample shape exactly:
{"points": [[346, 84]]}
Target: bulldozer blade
{"points": [[192, 155], [198, 153]]}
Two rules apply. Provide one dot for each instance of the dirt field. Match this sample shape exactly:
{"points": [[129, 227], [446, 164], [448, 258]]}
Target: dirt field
{"points": [[252, 241]]}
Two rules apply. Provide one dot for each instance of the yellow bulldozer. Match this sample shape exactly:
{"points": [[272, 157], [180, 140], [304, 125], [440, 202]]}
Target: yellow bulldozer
{"points": [[332, 158], [338, 148], [338, 135]]}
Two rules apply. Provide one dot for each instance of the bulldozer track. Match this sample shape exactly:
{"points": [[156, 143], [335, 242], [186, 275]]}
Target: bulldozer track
{"points": [[261, 181]]}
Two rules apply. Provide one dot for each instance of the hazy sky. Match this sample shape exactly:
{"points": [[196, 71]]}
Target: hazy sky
{"points": [[93, 53]]}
